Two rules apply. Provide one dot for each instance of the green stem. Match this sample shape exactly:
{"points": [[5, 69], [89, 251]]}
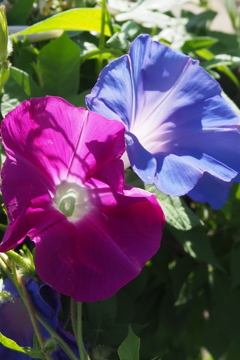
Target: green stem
{"points": [[4, 74], [15, 280], [5, 266], [18, 259], [103, 19], [102, 35], [109, 21], [74, 317], [58, 338], [82, 352], [34, 315], [92, 53], [26, 299]]}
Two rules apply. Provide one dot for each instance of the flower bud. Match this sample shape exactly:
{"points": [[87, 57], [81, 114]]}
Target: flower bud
{"points": [[3, 34], [50, 346]]}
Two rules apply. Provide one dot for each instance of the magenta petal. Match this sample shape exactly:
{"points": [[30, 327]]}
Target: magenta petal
{"points": [[105, 174], [63, 186], [28, 202], [105, 250], [29, 188], [48, 133], [22, 188]]}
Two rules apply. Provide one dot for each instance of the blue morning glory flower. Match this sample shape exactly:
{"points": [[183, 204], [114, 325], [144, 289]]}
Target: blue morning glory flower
{"points": [[15, 322], [181, 134]]}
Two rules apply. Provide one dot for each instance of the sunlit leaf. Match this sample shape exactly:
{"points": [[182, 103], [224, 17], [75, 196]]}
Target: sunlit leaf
{"points": [[10, 344], [76, 19], [198, 43], [177, 213]]}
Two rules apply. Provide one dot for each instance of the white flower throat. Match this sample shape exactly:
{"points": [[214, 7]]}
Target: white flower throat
{"points": [[72, 200], [68, 202]]}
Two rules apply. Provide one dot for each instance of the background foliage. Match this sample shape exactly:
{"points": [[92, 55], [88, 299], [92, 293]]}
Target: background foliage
{"points": [[185, 304]]}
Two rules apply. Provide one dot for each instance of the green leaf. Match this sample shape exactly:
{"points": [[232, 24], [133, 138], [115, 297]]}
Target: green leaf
{"points": [[112, 335], [76, 19], [180, 272], [196, 244], [195, 281], [177, 213], [198, 43], [10, 344], [235, 266], [129, 349], [132, 179], [225, 306], [213, 63], [198, 23], [229, 73], [19, 87], [59, 63], [214, 340], [119, 41], [18, 14], [227, 43], [131, 30], [25, 82], [102, 313], [13, 96], [79, 99]]}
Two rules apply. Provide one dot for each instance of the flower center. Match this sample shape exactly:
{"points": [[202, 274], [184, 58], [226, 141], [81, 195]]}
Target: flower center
{"points": [[72, 200], [68, 202]]}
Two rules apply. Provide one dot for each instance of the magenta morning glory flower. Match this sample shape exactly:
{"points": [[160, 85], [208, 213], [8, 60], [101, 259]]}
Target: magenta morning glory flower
{"points": [[181, 134], [63, 186], [16, 324]]}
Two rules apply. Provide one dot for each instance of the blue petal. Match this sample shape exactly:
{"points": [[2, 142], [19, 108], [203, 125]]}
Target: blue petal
{"points": [[70, 341], [14, 314], [142, 162], [10, 287], [107, 100], [175, 176], [208, 190], [174, 109], [47, 302], [15, 324]]}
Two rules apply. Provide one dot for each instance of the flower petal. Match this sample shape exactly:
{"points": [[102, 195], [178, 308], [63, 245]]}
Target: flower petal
{"points": [[105, 174], [142, 161], [208, 189], [173, 114], [175, 176], [47, 133], [29, 206], [14, 315], [105, 250], [39, 146], [92, 235], [114, 101]]}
